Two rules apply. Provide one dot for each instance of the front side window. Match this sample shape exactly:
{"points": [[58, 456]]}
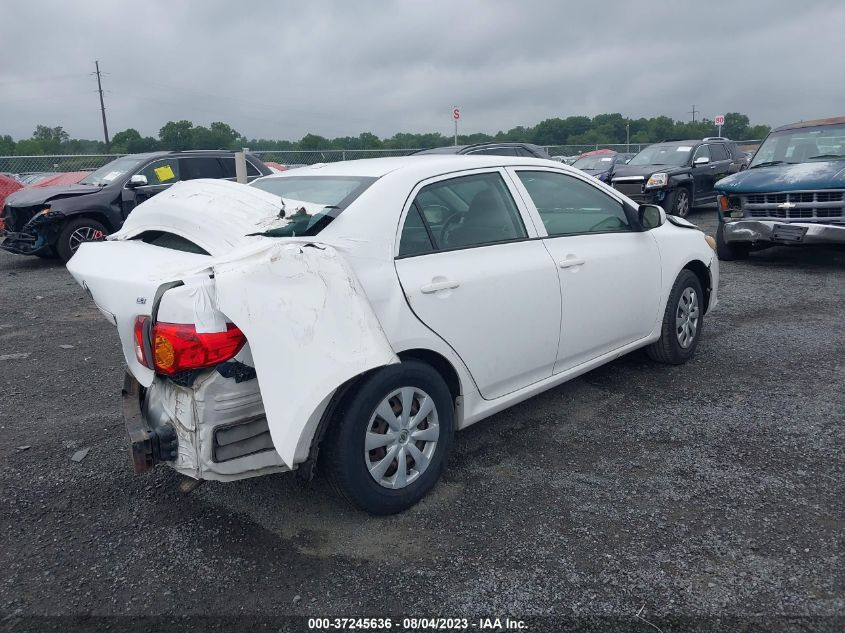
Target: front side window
{"points": [[162, 172], [569, 206], [468, 211], [701, 152]]}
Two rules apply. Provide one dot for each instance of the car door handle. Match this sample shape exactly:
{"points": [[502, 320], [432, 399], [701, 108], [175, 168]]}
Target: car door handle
{"points": [[439, 285], [569, 262]]}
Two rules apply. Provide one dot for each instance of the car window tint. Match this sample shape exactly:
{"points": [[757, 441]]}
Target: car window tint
{"points": [[162, 172], [570, 206], [200, 167], [470, 210], [415, 239], [718, 152], [702, 151], [228, 165], [521, 151]]}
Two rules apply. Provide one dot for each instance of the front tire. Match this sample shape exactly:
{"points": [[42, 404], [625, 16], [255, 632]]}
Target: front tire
{"points": [[729, 252], [391, 438], [683, 322], [678, 202], [75, 233]]}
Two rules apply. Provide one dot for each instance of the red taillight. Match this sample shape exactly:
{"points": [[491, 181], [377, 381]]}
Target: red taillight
{"points": [[179, 347]]}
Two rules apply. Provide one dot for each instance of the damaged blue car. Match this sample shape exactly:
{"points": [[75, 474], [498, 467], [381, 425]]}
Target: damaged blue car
{"points": [[793, 192]]}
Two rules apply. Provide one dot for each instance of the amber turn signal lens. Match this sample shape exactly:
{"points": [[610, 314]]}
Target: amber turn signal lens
{"points": [[710, 242], [164, 354]]}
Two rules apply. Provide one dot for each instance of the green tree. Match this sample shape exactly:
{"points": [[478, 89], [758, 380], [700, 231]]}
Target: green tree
{"points": [[177, 135], [7, 145], [120, 142]]}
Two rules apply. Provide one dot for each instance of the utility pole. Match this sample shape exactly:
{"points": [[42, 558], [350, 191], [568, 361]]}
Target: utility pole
{"points": [[627, 135], [693, 112], [102, 107]]}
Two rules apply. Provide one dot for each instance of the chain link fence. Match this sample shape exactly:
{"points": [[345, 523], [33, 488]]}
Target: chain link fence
{"points": [[23, 166]]}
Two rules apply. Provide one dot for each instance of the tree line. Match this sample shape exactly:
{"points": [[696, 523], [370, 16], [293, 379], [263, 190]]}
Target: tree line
{"points": [[574, 130]]}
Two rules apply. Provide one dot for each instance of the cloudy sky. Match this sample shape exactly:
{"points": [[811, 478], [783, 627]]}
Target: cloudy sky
{"points": [[282, 69]]}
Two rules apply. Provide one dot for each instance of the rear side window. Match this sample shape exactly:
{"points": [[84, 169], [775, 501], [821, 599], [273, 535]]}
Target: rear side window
{"points": [[228, 164], [200, 167], [463, 212], [718, 152]]}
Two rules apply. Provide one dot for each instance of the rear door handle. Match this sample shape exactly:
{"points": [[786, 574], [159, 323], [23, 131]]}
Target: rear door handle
{"points": [[439, 285], [569, 262]]}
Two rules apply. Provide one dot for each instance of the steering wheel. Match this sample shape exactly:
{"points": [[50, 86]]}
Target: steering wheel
{"points": [[608, 223], [455, 218]]}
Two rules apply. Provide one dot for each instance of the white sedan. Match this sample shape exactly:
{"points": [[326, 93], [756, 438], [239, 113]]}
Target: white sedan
{"points": [[362, 311]]}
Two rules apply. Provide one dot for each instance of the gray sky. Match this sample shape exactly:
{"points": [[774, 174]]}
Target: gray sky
{"points": [[336, 68]]}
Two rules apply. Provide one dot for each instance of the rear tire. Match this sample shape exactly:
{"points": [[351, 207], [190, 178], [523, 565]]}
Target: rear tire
{"points": [[382, 413], [75, 233], [683, 322], [729, 252]]}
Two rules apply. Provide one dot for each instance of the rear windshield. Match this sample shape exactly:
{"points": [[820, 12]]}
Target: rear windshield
{"points": [[312, 202], [663, 155]]}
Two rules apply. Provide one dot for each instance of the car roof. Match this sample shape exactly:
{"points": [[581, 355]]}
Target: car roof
{"points": [[794, 126], [433, 163], [456, 149]]}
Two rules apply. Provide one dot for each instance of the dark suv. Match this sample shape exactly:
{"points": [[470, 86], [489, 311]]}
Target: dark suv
{"points": [[56, 220], [528, 150], [678, 175]]}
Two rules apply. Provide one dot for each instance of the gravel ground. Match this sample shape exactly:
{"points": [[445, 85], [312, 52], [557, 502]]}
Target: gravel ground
{"points": [[685, 494]]}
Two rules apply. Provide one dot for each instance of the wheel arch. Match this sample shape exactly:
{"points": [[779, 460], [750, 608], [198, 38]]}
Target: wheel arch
{"points": [[700, 270], [437, 361], [93, 214]]}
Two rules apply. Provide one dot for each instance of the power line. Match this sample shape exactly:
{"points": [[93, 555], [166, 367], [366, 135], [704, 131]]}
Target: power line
{"points": [[693, 112], [102, 107]]}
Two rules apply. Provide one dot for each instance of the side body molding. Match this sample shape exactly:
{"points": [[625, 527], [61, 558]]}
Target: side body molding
{"points": [[310, 328]]}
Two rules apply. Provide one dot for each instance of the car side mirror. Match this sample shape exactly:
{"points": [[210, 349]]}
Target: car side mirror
{"points": [[138, 180], [701, 160], [651, 216]]}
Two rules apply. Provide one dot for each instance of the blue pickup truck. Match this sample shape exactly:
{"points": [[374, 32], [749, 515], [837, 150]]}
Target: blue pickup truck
{"points": [[793, 191]]}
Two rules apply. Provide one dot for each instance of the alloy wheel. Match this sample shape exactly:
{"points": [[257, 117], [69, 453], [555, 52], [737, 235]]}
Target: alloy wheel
{"points": [[84, 234]]}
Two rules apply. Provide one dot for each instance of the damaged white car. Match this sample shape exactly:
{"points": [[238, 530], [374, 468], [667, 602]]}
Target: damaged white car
{"points": [[363, 311]]}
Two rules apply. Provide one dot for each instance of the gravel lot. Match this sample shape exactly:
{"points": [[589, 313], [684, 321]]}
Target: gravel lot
{"points": [[711, 490]]}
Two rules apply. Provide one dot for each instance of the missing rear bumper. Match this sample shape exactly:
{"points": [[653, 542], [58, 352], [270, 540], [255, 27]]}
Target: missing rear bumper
{"points": [[147, 446]]}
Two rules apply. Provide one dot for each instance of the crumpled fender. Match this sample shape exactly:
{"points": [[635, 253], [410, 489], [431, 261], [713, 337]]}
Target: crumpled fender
{"points": [[310, 329]]}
